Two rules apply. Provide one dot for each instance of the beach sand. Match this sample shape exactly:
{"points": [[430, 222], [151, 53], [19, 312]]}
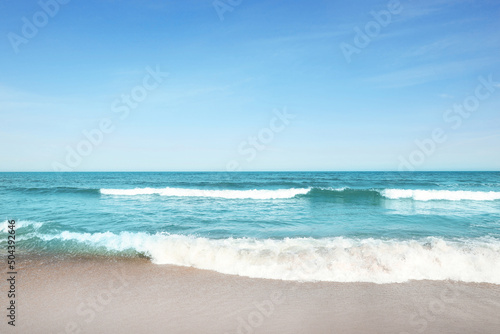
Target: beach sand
{"points": [[119, 295]]}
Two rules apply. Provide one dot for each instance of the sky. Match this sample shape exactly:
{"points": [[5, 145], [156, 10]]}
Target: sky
{"points": [[230, 85]]}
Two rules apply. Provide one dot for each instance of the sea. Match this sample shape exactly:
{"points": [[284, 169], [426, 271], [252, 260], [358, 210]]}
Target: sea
{"points": [[380, 227]]}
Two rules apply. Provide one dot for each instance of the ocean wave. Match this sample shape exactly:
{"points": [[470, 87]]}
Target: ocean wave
{"points": [[344, 192], [55, 190], [449, 195], [283, 193], [19, 224], [307, 259], [227, 194]]}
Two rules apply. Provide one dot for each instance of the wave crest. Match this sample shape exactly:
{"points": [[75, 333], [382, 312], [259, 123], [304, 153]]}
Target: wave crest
{"points": [[228, 194], [4, 226], [416, 195], [450, 195]]}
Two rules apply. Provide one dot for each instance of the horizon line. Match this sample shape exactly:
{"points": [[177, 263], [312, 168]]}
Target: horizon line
{"points": [[260, 171]]}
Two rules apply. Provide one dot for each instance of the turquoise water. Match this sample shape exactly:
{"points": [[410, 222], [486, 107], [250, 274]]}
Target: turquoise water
{"points": [[370, 226]]}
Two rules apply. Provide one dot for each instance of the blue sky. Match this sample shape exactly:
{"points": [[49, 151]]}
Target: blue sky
{"points": [[228, 78]]}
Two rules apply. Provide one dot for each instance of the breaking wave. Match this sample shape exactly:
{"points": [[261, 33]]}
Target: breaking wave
{"points": [[228, 194], [306, 259], [417, 195]]}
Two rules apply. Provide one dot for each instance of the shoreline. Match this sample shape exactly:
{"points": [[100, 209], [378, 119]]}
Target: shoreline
{"points": [[133, 295]]}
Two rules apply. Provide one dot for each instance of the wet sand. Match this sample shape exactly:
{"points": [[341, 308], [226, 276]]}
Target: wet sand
{"points": [[91, 295]]}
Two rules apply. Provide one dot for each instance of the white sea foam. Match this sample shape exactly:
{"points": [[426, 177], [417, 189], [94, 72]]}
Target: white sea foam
{"points": [[306, 259], [417, 195], [19, 224], [450, 195], [229, 194]]}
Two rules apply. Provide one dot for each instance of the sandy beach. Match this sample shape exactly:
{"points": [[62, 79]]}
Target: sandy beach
{"points": [[105, 295]]}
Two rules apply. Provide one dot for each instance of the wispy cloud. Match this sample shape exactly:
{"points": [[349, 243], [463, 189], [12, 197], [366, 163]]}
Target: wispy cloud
{"points": [[301, 37], [13, 100], [415, 10], [454, 45], [430, 72]]}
